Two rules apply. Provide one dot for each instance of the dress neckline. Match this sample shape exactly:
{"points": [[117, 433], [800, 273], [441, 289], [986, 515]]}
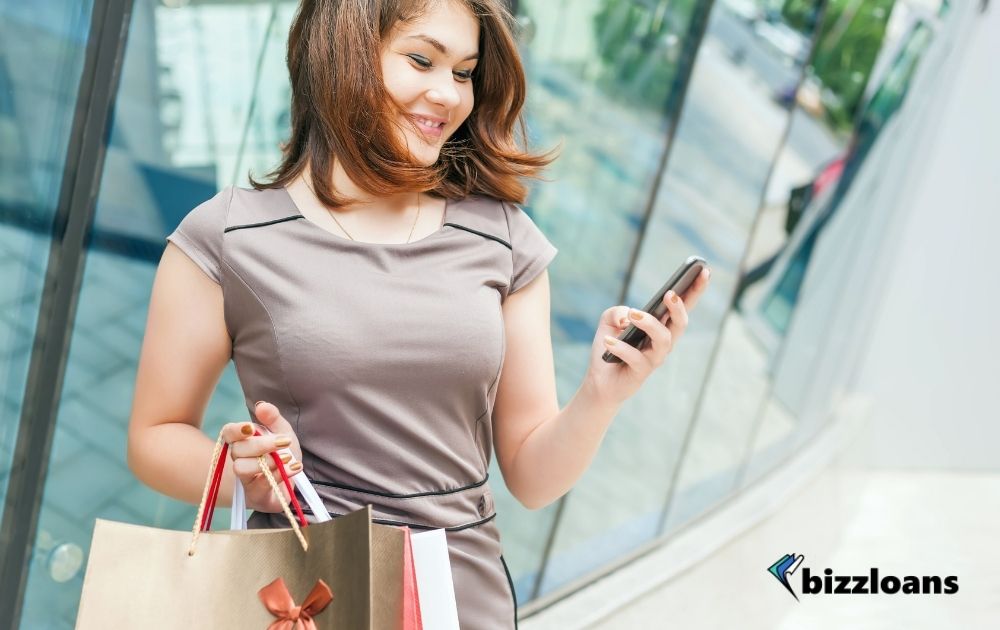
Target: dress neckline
{"points": [[346, 241]]}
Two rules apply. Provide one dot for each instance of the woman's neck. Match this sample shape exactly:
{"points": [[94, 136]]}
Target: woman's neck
{"points": [[387, 206]]}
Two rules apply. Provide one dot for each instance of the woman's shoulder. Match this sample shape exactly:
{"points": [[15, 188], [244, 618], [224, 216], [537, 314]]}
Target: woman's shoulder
{"points": [[234, 205], [530, 250], [483, 212], [251, 205]]}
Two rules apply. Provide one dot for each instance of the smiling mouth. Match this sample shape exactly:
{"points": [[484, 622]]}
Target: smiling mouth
{"points": [[428, 127]]}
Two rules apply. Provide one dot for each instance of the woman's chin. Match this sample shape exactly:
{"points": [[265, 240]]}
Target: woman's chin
{"points": [[426, 158]]}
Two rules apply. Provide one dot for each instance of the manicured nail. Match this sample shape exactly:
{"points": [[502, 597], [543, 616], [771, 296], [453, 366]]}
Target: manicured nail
{"points": [[287, 457], [282, 441], [257, 404], [246, 429], [673, 297], [609, 340], [635, 314], [296, 467]]}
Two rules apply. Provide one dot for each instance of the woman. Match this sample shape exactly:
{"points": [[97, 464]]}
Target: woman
{"points": [[378, 359]]}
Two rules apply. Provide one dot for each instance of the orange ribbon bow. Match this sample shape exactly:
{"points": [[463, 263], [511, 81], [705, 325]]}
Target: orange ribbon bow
{"points": [[279, 603]]}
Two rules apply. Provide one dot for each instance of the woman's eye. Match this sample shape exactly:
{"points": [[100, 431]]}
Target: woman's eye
{"points": [[420, 61], [425, 63]]}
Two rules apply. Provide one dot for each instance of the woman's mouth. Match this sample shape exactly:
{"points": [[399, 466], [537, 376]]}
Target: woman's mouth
{"points": [[428, 126]]}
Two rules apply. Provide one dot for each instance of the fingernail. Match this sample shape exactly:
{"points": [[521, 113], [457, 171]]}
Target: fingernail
{"points": [[635, 314], [287, 457], [257, 404], [296, 467], [623, 322], [283, 441], [673, 297], [609, 340], [246, 429]]}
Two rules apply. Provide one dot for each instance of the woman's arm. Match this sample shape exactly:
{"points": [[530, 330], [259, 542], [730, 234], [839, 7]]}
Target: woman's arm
{"points": [[184, 351], [562, 443], [542, 450]]}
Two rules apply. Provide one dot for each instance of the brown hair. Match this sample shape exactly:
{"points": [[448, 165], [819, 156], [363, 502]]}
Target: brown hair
{"points": [[341, 109]]}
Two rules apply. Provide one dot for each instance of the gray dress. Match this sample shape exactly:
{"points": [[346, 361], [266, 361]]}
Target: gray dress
{"points": [[384, 357]]}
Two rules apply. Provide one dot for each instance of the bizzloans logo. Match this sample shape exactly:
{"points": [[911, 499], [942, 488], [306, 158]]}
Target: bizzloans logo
{"points": [[871, 584]]}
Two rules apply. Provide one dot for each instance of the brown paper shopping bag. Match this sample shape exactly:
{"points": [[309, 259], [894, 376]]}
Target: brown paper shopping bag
{"points": [[343, 573]]}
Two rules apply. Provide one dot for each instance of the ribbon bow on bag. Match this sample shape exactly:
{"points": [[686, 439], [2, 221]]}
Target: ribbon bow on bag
{"points": [[279, 603]]}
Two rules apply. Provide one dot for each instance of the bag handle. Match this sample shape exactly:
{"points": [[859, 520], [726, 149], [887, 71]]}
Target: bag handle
{"points": [[238, 493], [210, 494], [238, 516]]}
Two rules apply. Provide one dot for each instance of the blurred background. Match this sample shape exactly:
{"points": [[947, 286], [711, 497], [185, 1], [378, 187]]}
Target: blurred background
{"points": [[835, 396]]}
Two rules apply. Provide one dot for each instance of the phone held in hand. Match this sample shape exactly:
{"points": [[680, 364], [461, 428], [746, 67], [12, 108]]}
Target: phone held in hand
{"points": [[679, 282]]}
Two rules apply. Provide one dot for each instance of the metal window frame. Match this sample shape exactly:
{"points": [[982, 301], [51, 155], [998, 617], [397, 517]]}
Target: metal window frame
{"points": [[82, 170], [747, 454], [675, 110]]}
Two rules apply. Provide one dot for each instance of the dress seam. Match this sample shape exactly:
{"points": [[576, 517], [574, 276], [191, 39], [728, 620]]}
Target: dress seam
{"points": [[510, 583], [496, 380], [277, 349], [233, 228], [506, 218], [384, 521], [390, 495], [223, 261], [478, 233]]}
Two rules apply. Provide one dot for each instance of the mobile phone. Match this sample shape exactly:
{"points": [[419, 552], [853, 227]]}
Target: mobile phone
{"points": [[679, 282]]}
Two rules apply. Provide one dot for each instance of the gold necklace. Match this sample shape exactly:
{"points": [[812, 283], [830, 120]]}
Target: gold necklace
{"points": [[415, 219]]}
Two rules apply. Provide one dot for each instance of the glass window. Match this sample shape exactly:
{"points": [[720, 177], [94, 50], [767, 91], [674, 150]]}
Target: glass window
{"points": [[751, 69], [42, 48], [601, 82], [182, 130], [810, 275]]}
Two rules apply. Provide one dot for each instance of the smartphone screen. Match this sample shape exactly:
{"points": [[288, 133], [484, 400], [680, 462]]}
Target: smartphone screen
{"points": [[679, 282]]}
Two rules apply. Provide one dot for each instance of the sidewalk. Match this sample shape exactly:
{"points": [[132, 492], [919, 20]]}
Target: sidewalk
{"points": [[915, 523], [905, 523]]}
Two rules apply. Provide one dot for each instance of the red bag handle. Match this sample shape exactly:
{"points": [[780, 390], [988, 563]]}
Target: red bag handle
{"points": [[213, 498], [210, 495]]}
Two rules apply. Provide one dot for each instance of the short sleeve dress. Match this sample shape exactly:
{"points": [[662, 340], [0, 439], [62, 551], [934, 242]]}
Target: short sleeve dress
{"points": [[384, 357]]}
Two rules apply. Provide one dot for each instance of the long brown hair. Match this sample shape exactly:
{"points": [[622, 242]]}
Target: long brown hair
{"points": [[341, 109]]}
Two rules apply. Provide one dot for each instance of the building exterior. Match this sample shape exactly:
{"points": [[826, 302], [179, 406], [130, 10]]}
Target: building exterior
{"points": [[731, 129]]}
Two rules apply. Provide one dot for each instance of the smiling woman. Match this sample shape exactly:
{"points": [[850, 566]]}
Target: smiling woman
{"points": [[391, 370], [397, 107], [439, 111]]}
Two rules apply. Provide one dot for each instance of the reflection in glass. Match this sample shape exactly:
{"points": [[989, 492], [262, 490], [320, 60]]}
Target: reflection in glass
{"points": [[42, 49], [175, 140], [810, 394], [600, 74], [722, 168]]}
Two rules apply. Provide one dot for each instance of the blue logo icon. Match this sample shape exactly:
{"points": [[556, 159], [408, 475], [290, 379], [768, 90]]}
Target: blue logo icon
{"points": [[784, 568]]}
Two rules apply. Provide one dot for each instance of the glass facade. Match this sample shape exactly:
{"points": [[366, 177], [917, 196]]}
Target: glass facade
{"points": [[734, 129]]}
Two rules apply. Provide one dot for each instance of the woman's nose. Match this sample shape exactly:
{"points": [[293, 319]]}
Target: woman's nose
{"points": [[444, 94]]}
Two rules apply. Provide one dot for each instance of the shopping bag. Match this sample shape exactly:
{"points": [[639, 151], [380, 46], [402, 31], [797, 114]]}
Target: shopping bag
{"points": [[346, 572], [432, 562], [428, 598]]}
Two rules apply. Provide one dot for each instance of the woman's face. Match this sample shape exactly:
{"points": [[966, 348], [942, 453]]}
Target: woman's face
{"points": [[426, 65]]}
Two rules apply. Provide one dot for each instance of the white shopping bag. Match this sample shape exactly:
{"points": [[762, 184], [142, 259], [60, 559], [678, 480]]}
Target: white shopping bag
{"points": [[435, 587]]}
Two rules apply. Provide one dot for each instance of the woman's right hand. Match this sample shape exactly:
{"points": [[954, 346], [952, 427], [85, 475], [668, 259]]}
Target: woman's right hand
{"points": [[245, 448]]}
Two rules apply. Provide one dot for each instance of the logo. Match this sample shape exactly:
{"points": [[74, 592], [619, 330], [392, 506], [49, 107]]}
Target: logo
{"points": [[784, 567], [872, 584]]}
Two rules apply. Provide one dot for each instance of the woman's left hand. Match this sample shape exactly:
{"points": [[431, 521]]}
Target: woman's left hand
{"points": [[611, 384]]}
